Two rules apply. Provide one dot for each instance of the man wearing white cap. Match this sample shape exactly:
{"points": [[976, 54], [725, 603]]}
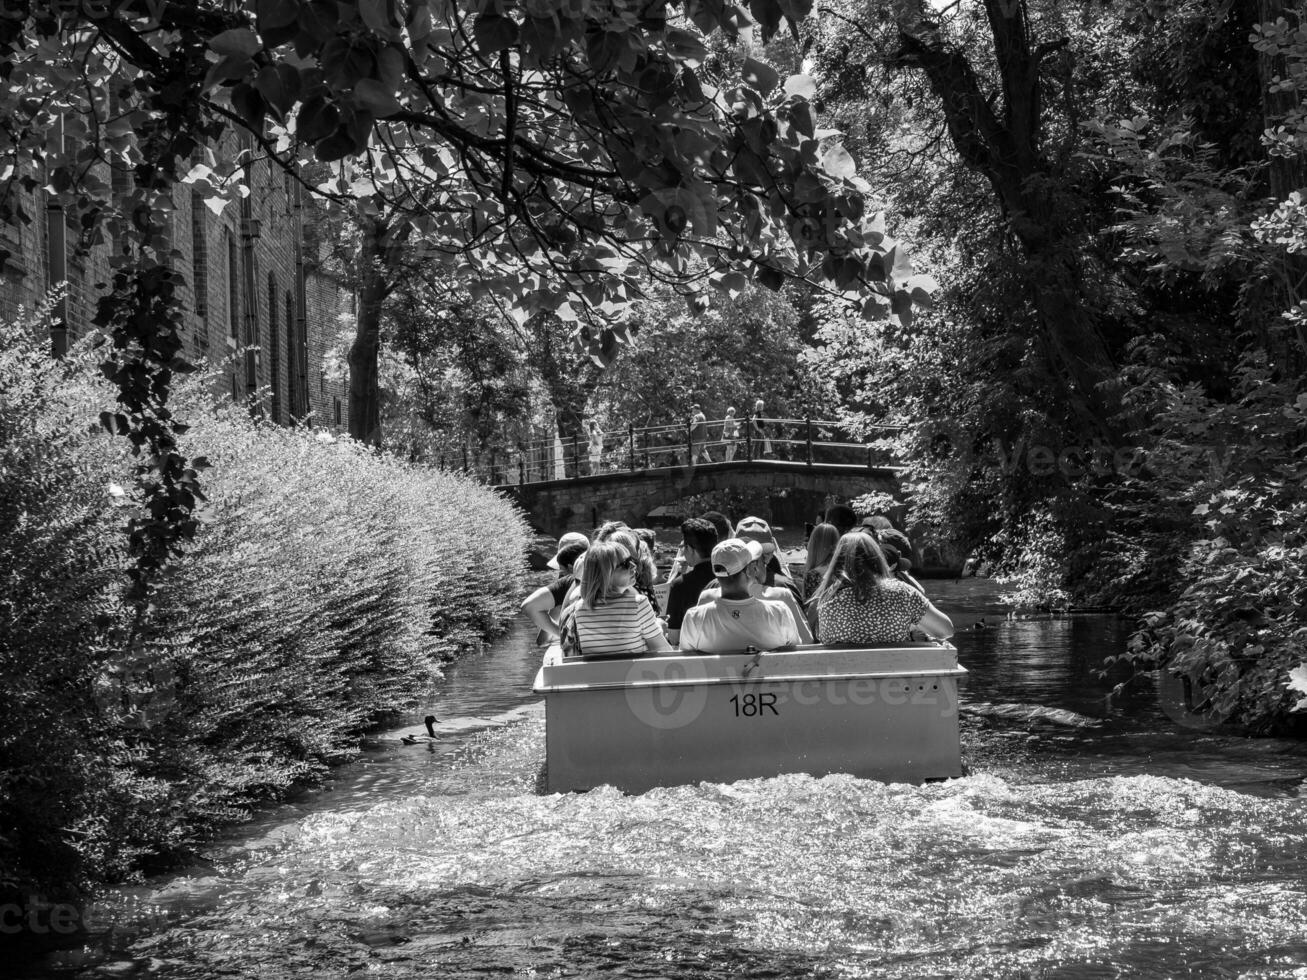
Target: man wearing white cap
{"points": [[756, 574], [737, 619]]}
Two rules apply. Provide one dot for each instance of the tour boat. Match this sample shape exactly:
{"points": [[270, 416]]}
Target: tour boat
{"points": [[882, 712]]}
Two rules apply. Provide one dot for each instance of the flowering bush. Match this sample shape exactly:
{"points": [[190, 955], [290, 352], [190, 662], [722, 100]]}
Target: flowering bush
{"points": [[325, 585]]}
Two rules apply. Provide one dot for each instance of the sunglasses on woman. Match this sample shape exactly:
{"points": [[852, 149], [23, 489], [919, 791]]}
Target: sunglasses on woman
{"points": [[629, 564]]}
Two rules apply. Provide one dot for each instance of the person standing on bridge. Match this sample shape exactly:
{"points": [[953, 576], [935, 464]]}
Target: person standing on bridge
{"points": [[594, 446], [758, 429], [730, 433], [698, 436]]}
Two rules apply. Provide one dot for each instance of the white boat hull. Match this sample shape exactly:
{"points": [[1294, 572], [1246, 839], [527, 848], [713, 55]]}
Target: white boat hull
{"points": [[886, 713]]}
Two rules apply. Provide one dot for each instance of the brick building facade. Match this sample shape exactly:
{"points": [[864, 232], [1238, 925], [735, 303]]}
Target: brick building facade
{"points": [[252, 283]]}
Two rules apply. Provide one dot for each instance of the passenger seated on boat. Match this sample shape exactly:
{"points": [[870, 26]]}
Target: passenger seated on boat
{"points": [[609, 618], [821, 545], [778, 572], [698, 538], [736, 619], [756, 572], [897, 549], [860, 602], [539, 606], [646, 572], [843, 517]]}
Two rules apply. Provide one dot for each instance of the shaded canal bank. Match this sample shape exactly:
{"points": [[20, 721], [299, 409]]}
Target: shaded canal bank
{"points": [[1083, 845]]}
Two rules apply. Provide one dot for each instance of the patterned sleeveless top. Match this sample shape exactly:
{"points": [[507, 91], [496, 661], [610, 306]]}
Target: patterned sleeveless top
{"points": [[887, 616]]}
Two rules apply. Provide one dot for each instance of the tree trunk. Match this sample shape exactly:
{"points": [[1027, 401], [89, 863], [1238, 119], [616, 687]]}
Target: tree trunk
{"points": [[568, 376], [1000, 138], [364, 352]]}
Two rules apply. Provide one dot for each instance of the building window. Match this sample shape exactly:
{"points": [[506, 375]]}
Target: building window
{"points": [[233, 287], [199, 254], [296, 394], [274, 348], [335, 405]]}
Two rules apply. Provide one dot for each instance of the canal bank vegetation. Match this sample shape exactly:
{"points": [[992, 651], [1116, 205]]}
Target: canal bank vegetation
{"points": [[324, 587], [1107, 401]]}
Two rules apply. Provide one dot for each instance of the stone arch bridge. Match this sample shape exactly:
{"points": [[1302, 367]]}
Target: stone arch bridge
{"points": [[802, 488]]}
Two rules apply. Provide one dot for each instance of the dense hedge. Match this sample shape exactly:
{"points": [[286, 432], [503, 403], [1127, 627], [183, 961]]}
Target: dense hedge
{"points": [[323, 591]]}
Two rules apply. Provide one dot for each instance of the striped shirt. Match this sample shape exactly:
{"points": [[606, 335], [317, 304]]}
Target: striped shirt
{"points": [[619, 627]]}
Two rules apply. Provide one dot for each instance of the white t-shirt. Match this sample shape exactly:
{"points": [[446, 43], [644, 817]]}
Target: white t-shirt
{"points": [[723, 625], [777, 593]]}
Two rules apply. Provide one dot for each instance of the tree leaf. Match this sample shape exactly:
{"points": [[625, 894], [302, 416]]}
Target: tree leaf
{"points": [[685, 47], [378, 15], [768, 14], [923, 288], [337, 146], [249, 105], [838, 162], [760, 76], [316, 119], [236, 42], [276, 14], [901, 308], [875, 306], [796, 10], [376, 98], [318, 20], [899, 263], [272, 86], [802, 86], [494, 33]]}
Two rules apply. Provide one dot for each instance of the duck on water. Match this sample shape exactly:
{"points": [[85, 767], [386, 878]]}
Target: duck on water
{"points": [[430, 736]]}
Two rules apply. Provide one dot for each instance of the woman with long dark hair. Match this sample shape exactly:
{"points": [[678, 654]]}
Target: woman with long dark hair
{"points": [[859, 601], [821, 546]]}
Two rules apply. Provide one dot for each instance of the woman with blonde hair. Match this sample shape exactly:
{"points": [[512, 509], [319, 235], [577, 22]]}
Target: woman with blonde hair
{"points": [[821, 546], [860, 602], [646, 571], [610, 618]]}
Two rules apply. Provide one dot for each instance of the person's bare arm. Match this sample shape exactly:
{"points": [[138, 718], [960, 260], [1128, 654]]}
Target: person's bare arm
{"points": [[935, 624], [657, 644], [804, 631], [537, 607]]}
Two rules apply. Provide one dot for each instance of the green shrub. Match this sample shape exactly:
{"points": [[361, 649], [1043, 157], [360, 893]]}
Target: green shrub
{"points": [[325, 586], [62, 561], [1226, 494]]}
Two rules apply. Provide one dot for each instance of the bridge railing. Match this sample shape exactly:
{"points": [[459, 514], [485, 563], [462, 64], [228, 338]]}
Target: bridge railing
{"points": [[638, 448]]}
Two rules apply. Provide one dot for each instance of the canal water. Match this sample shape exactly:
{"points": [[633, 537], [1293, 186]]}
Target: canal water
{"points": [[1088, 841]]}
